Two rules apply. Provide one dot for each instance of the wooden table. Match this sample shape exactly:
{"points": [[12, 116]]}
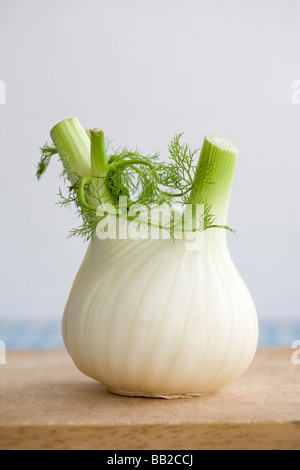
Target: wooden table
{"points": [[45, 403]]}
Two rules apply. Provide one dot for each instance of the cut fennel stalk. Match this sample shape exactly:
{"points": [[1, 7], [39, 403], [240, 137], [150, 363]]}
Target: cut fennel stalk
{"points": [[149, 317]]}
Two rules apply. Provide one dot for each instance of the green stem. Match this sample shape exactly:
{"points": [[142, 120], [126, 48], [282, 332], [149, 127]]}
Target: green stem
{"points": [[132, 162], [220, 156], [173, 195], [98, 153], [81, 194], [73, 146], [100, 167], [83, 155]]}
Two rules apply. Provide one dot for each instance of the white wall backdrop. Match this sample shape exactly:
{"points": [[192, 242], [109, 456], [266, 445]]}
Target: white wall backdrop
{"points": [[143, 70]]}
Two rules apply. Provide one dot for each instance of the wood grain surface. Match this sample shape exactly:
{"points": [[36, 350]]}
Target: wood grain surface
{"points": [[46, 403]]}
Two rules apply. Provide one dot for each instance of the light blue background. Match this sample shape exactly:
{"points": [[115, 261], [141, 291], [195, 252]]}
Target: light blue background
{"points": [[144, 70]]}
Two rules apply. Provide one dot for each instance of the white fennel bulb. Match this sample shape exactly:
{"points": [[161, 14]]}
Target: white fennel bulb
{"points": [[153, 318]]}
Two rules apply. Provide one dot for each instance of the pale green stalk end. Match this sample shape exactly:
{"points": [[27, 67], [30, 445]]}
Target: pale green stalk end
{"points": [[73, 146], [219, 158], [98, 153]]}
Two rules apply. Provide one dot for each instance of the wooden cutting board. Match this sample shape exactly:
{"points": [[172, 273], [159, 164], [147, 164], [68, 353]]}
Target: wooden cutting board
{"points": [[46, 403]]}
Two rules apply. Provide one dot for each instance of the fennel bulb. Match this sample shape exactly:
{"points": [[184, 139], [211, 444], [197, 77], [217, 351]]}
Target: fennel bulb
{"points": [[149, 317]]}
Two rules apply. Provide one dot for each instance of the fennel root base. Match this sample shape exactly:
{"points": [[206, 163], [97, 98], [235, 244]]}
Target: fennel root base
{"points": [[156, 395]]}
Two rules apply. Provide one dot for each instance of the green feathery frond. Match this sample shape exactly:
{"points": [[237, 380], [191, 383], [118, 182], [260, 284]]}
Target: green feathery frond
{"points": [[47, 152]]}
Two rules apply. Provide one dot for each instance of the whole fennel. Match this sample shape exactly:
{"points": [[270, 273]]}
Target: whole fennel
{"points": [[149, 317]]}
